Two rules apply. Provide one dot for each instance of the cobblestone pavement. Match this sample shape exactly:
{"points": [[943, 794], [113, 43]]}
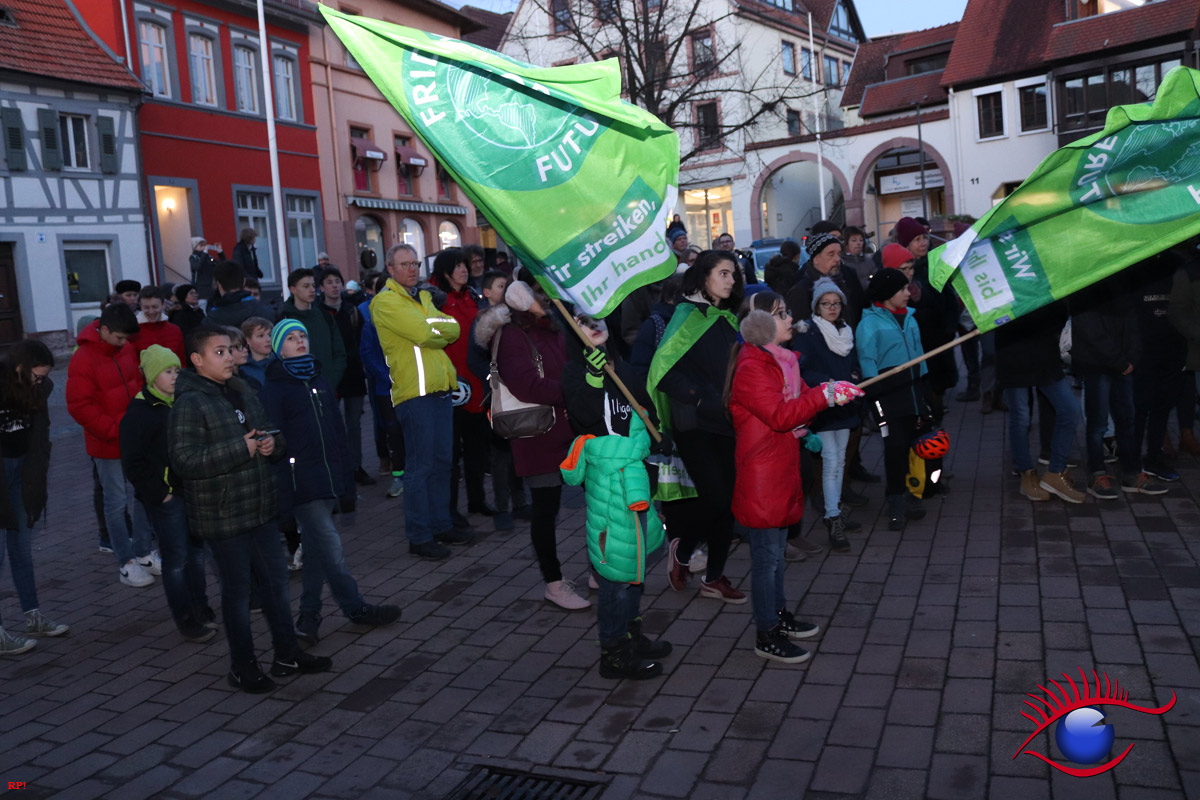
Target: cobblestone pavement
{"points": [[931, 638]]}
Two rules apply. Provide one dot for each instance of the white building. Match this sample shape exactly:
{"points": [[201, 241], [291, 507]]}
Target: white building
{"points": [[72, 219]]}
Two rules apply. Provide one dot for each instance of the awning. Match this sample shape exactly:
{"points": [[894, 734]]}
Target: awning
{"points": [[404, 205], [407, 155], [365, 148]]}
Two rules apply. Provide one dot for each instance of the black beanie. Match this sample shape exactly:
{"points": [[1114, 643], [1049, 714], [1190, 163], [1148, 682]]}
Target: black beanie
{"points": [[885, 283], [181, 292], [127, 285]]}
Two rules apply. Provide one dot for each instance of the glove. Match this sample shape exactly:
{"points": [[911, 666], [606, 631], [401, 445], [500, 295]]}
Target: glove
{"points": [[812, 443], [662, 449], [839, 393], [595, 367]]}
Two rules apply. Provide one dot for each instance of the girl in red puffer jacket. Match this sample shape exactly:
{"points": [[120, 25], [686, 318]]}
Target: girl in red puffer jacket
{"points": [[770, 406]]}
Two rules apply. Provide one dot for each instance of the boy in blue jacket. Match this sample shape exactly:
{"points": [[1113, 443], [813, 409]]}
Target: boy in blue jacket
{"points": [[315, 478]]}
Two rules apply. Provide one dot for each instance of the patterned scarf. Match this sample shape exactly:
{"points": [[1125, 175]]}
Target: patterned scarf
{"points": [[301, 367]]}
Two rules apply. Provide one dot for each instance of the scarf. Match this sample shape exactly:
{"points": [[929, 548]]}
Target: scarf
{"points": [[839, 340], [169, 399], [787, 361], [301, 367]]}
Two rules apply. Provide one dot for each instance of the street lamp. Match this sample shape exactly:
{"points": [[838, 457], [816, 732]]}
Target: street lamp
{"points": [[921, 149]]}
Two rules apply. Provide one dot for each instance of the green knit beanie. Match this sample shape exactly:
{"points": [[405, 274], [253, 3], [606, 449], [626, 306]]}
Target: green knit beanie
{"points": [[156, 359]]}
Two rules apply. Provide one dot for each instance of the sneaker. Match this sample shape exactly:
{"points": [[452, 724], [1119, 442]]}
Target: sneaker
{"points": [[14, 645], [1142, 484], [1160, 471], [301, 663], [622, 661], [807, 547], [837, 534], [677, 574], [793, 553], [699, 561], [152, 563], [37, 625], [793, 628], [397, 487], [644, 646], [207, 617], [563, 595], [1060, 485], [133, 574], [455, 537], [105, 546], [362, 478], [852, 499], [1110, 450], [722, 589], [595, 587], [297, 560], [503, 521], [376, 615], [307, 627], [434, 551], [250, 679], [774, 645], [1103, 488], [193, 631]]}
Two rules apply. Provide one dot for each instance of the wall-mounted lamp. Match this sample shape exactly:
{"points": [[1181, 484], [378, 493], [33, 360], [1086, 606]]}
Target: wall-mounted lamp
{"points": [[169, 204]]}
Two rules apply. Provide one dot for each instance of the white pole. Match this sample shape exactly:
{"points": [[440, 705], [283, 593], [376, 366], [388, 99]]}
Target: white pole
{"points": [[264, 50], [812, 74]]}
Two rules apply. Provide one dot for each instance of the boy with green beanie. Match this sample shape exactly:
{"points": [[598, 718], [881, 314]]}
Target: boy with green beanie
{"points": [[144, 458]]}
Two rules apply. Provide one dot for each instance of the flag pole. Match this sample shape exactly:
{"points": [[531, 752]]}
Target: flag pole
{"points": [[915, 361], [612, 373]]}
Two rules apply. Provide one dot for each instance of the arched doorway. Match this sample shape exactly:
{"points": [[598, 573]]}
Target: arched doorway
{"points": [[368, 236], [413, 235], [788, 197], [887, 186], [448, 235]]}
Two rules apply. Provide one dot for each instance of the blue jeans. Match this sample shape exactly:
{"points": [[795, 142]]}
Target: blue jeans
{"points": [[182, 561], [618, 605], [833, 467], [258, 552], [19, 543], [1066, 417], [324, 560], [1106, 394], [766, 575], [118, 495], [428, 425]]}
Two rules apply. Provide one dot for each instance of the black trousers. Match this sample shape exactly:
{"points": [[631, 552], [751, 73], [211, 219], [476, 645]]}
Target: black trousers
{"points": [[1155, 392], [389, 436], [709, 459], [470, 456], [901, 431], [542, 533]]}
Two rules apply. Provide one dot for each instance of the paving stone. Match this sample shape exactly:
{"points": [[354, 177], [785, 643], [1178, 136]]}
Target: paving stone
{"points": [[857, 727], [906, 746], [842, 769], [675, 773], [957, 777]]}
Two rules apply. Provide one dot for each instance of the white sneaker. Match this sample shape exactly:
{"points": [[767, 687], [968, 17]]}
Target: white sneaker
{"points": [[151, 563], [397, 487], [13, 645], [699, 562], [134, 574], [562, 594], [297, 560]]}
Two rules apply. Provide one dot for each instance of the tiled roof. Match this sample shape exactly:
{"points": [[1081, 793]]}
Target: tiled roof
{"points": [[1001, 37], [899, 95], [1134, 25], [48, 40], [492, 26], [870, 65]]}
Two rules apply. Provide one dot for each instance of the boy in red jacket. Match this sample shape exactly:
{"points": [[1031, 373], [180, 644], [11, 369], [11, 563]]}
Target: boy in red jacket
{"points": [[102, 379], [153, 327]]}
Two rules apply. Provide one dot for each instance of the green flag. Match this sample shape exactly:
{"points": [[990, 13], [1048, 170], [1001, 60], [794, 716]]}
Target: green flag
{"points": [[580, 183], [1090, 209]]}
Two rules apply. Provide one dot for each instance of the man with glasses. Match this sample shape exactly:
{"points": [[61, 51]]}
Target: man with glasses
{"points": [[413, 334]]}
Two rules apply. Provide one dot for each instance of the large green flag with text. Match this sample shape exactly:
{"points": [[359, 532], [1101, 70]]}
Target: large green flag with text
{"points": [[580, 183], [1090, 209]]}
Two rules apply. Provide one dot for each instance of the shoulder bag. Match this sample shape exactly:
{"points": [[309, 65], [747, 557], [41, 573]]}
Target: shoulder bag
{"points": [[512, 418]]}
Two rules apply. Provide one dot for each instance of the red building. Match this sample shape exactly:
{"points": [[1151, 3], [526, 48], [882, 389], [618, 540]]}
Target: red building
{"points": [[203, 136]]}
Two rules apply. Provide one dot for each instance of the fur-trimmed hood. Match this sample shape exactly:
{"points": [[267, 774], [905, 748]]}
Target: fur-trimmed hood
{"points": [[758, 328], [489, 322]]}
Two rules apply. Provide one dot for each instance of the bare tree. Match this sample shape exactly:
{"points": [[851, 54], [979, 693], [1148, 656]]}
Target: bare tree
{"points": [[676, 60]]}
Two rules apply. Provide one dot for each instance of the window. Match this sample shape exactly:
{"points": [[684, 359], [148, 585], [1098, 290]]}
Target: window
{"points": [[245, 79], [784, 4], [561, 11], [204, 76], [1033, 107], [404, 173], [656, 60], [831, 71], [704, 60], [839, 24], [708, 128], [285, 89], [368, 235], [302, 230], [445, 184], [606, 10], [87, 272], [806, 63], [789, 58], [156, 70], [919, 66], [448, 235], [793, 122], [73, 140], [362, 166], [411, 233], [991, 114], [254, 211]]}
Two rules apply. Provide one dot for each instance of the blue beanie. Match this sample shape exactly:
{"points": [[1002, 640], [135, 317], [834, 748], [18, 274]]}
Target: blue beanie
{"points": [[282, 329]]}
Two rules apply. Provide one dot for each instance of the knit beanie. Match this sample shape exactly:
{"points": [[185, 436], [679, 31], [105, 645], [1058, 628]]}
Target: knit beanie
{"points": [[181, 292], [825, 286], [519, 296], [908, 229], [819, 241], [155, 360], [884, 284], [281, 330], [894, 255], [674, 234]]}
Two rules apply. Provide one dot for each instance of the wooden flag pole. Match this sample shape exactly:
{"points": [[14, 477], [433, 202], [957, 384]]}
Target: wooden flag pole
{"points": [[612, 373], [915, 361]]}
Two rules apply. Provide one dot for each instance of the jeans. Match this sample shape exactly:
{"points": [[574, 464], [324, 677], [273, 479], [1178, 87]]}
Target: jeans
{"points": [[428, 424], [118, 494], [833, 467], [471, 434], [1106, 394], [1066, 417], [508, 490], [324, 560], [182, 561], [256, 552], [19, 542], [767, 568], [352, 407], [543, 531], [617, 606], [1155, 393]]}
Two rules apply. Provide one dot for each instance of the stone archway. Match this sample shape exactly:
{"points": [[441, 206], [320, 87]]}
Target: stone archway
{"points": [[867, 166], [790, 158]]}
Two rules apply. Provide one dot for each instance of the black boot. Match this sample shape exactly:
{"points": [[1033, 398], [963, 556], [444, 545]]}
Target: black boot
{"points": [[916, 508], [837, 534], [619, 661], [644, 646], [897, 505]]}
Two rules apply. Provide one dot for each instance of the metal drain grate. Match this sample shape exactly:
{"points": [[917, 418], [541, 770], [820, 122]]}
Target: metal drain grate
{"points": [[496, 783]]}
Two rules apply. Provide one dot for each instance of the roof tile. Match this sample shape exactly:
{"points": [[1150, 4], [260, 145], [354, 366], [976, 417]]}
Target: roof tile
{"points": [[1000, 37], [1134, 25], [900, 94], [48, 40]]}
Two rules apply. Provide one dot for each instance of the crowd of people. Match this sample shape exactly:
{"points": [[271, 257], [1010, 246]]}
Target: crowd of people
{"points": [[702, 411]]}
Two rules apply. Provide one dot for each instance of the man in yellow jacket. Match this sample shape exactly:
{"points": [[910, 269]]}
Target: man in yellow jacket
{"points": [[413, 333]]}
